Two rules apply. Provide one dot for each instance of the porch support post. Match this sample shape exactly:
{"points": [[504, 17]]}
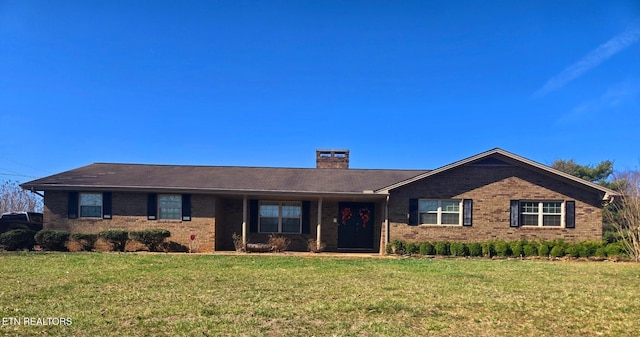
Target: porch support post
{"points": [[244, 222], [383, 249], [319, 226]]}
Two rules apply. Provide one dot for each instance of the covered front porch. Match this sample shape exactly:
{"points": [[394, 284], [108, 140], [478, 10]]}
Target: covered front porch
{"points": [[339, 223]]}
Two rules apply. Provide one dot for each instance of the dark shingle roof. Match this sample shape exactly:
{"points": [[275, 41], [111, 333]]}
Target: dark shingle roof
{"points": [[224, 179]]}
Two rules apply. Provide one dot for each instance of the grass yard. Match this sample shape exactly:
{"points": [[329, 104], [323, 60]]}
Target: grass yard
{"points": [[108, 294]]}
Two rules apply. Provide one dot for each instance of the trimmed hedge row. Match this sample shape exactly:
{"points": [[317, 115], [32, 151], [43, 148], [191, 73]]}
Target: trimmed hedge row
{"points": [[55, 240], [501, 248]]}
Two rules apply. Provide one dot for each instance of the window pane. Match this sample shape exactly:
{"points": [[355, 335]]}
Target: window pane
{"points": [[529, 220], [170, 206], [291, 211], [429, 218], [450, 219], [291, 225], [450, 206], [529, 207], [90, 205], [170, 201], [268, 225], [90, 199], [428, 206], [552, 207], [269, 210], [551, 220], [170, 213], [90, 211]]}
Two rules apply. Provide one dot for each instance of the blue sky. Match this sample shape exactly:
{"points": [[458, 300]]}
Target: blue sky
{"points": [[402, 84]]}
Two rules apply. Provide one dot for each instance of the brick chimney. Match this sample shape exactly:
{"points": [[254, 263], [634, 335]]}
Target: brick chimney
{"points": [[332, 159]]}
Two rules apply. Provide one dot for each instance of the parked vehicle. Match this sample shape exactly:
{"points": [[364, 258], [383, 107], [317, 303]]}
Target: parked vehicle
{"points": [[21, 220]]}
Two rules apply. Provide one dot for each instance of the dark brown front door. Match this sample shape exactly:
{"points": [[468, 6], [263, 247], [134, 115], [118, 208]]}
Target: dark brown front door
{"points": [[355, 225]]}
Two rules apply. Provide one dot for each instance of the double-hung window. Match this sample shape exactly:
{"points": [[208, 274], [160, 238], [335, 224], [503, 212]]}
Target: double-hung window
{"points": [[440, 212], [170, 206], [90, 205], [280, 217], [541, 213]]}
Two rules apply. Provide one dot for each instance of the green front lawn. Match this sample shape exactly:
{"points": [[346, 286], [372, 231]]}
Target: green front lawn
{"points": [[110, 294]]}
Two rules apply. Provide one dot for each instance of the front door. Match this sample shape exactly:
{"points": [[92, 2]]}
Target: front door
{"points": [[355, 225]]}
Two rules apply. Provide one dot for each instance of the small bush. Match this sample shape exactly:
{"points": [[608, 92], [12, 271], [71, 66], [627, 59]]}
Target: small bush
{"points": [[530, 249], [543, 249], [279, 243], [49, 239], [600, 252], [474, 248], [426, 248], [516, 248], [488, 249], [442, 248], [396, 247], [152, 238], [615, 250], [86, 241], [411, 248], [18, 239], [457, 249], [557, 251], [116, 237], [502, 248], [589, 248], [573, 250], [313, 246], [237, 242], [610, 236], [173, 247]]}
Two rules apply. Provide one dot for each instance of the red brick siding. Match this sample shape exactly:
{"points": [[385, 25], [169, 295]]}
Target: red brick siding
{"points": [[491, 189], [129, 212]]}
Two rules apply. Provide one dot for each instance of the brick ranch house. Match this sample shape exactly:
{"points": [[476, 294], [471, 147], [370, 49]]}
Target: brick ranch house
{"points": [[492, 195]]}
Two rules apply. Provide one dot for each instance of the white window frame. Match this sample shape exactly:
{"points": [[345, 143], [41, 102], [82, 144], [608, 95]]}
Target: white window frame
{"points": [[179, 216], [80, 205], [280, 215], [540, 213], [440, 211]]}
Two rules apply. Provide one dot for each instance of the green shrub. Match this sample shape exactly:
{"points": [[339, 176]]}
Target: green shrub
{"points": [[152, 238], [610, 236], [474, 248], [502, 248], [557, 251], [600, 252], [86, 241], [615, 249], [457, 249], [544, 249], [116, 237], [442, 248], [573, 250], [530, 249], [488, 249], [411, 248], [516, 248], [49, 239], [589, 248], [396, 247], [426, 248], [18, 239]]}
